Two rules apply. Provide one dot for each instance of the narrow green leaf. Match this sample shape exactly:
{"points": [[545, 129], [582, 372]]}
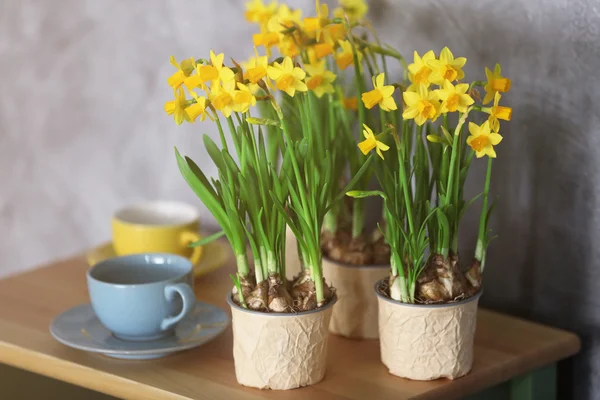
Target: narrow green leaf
{"points": [[213, 152], [361, 194], [263, 121], [208, 239]]}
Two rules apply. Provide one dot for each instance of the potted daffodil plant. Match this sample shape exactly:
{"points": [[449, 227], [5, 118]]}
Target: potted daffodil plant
{"points": [[355, 254], [273, 171], [428, 304]]}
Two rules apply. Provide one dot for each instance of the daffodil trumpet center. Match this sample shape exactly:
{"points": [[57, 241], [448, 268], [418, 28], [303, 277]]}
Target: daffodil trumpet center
{"points": [[372, 98], [314, 82], [422, 75], [285, 82], [256, 74], [481, 142], [501, 112], [452, 102], [222, 100], [501, 84], [426, 109], [449, 73]]}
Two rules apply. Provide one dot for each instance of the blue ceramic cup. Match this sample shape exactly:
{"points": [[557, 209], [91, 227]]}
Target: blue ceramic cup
{"points": [[142, 296]]}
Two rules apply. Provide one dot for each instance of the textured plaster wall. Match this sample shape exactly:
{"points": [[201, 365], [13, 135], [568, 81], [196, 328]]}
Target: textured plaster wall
{"points": [[82, 132]]}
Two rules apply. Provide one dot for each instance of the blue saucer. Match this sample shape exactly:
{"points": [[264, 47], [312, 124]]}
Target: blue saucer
{"points": [[80, 328]]}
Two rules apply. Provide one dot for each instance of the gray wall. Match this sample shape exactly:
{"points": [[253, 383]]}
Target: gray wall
{"points": [[82, 132]]}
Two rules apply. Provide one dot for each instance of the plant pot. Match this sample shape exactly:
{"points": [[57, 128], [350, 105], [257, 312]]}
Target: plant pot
{"points": [[355, 315], [280, 351], [425, 342]]}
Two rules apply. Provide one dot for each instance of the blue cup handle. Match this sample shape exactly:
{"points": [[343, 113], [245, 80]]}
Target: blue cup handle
{"points": [[189, 303]]}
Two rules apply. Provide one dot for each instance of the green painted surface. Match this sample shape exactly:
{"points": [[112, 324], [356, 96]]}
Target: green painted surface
{"points": [[537, 385], [17, 384]]}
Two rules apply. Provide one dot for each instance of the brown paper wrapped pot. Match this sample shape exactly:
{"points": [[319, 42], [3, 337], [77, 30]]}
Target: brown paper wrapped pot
{"points": [[355, 314], [425, 342], [280, 351]]}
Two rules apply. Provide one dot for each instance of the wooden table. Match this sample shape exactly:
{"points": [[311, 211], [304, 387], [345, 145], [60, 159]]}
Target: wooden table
{"points": [[514, 358]]}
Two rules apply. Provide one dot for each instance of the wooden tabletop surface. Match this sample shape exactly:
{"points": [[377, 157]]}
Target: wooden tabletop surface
{"points": [[505, 347]]}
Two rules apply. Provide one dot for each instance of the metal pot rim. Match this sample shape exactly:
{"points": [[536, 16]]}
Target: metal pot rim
{"points": [[475, 297], [358, 266], [283, 315]]}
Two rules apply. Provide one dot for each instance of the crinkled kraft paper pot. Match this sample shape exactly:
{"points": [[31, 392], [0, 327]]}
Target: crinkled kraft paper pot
{"points": [[280, 351], [425, 342], [355, 314]]}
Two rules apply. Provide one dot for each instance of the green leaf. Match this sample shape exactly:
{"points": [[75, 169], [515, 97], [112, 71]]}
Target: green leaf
{"points": [[361, 194], [446, 135], [208, 239], [467, 205], [489, 212], [199, 187], [213, 152], [236, 281], [351, 184], [435, 139], [263, 121]]}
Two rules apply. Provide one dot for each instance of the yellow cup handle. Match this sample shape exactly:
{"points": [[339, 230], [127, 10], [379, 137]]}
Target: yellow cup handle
{"points": [[188, 237]]}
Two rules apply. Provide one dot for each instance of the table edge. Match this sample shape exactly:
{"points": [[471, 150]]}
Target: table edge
{"points": [[80, 375], [568, 347]]}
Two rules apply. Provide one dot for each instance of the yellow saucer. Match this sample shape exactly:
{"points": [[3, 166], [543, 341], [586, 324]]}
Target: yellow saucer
{"points": [[214, 256]]}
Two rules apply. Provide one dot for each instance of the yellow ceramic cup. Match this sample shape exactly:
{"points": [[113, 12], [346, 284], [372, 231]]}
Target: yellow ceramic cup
{"points": [[157, 227]]}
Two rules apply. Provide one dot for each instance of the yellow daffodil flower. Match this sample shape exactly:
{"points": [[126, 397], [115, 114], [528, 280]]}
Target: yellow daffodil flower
{"points": [[222, 97], [319, 80], [211, 72], [350, 103], [268, 40], [319, 51], [288, 47], [243, 99], [344, 57], [354, 9], [381, 95], [287, 77], [419, 70], [204, 73], [495, 83], [454, 98], [256, 68], [314, 25], [177, 107], [197, 109], [447, 67], [421, 105], [260, 13], [284, 19], [183, 71], [497, 113], [371, 143], [334, 33], [482, 139]]}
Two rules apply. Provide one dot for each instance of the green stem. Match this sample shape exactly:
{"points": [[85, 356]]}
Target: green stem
{"points": [[451, 171], [242, 264], [330, 221], [221, 133], [405, 190], [358, 217], [481, 245]]}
